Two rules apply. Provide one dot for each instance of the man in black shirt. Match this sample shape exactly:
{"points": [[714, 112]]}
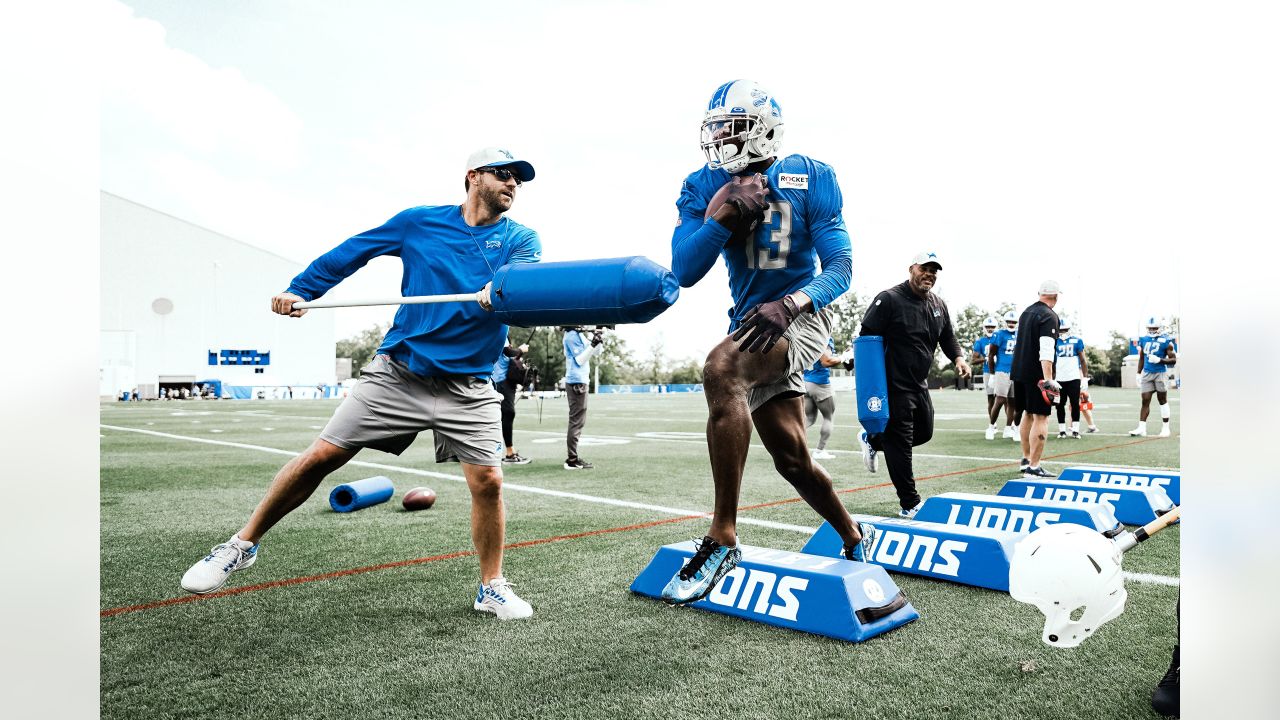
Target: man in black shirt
{"points": [[913, 322], [1034, 388]]}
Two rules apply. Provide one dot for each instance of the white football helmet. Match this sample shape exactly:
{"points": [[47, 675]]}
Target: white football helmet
{"points": [[1064, 568], [989, 325], [1152, 323], [743, 124], [1064, 324], [1011, 319]]}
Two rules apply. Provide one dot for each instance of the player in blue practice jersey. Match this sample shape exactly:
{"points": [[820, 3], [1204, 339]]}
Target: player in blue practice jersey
{"points": [[1070, 370], [980, 360], [431, 372], [999, 363], [772, 220], [1157, 353], [819, 399]]}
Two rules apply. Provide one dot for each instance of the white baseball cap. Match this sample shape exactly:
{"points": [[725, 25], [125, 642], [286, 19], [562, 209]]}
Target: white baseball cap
{"points": [[499, 157], [926, 256], [1050, 287]]}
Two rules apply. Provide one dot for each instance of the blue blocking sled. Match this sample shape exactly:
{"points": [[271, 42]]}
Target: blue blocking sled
{"points": [[360, 494], [1170, 480], [821, 595], [610, 291], [1018, 515], [957, 553], [870, 384], [1131, 505]]}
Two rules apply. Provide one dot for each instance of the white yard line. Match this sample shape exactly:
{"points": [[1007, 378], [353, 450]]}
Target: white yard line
{"points": [[680, 512]]}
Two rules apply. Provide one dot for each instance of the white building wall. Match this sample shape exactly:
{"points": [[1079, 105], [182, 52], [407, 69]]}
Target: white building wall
{"points": [[220, 290]]}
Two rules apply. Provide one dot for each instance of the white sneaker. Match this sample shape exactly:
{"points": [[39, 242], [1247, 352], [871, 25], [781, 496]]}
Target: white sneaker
{"points": [[819, 454], [212, 572], [870, 457], [498, 598], [911, 512], [1140, 431], [1008, 432], [1062, 434], [1164, 430], [991, 433]]}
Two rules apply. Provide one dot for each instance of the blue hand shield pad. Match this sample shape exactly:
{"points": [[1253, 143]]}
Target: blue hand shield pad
{"points": [[957, 553], [582, 292], [1170, 480], [1131, 505], [1019, 515], [360, 494], [821, 595], [870, 383]]}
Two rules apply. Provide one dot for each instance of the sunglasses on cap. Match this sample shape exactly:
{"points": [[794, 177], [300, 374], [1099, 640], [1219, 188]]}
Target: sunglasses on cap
{"points": [[503, 174]]}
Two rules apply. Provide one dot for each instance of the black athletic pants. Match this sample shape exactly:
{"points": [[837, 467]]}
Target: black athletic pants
{"points": [[508, 390], [910, 424], [1070, 392]]}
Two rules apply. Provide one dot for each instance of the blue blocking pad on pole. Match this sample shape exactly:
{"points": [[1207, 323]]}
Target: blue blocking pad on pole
{"points": [[1170, 480], [957, 553], [1019, 515], [1131, 505], [360, 494], [871, 385], [821, 595], [582, 292]]}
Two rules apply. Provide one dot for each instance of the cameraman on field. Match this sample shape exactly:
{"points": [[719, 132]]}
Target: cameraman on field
{"points": [[579, 347], [509, 377]]}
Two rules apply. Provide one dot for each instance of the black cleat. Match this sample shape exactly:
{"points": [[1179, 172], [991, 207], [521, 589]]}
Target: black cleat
{"points": [[1037, 472], [1165, 700]]}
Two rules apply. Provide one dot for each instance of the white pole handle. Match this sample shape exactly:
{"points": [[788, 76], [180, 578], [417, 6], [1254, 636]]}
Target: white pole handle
{"points": [[412, 300]]}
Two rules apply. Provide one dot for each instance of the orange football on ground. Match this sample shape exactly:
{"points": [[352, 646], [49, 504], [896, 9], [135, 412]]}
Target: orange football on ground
{"points": [[419, 498]]}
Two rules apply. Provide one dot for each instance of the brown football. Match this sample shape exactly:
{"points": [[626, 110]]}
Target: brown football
{"points": [[419, 498], [744, 229]]}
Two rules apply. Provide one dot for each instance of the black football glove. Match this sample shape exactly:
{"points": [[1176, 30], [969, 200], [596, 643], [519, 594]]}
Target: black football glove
{"points": [[596, 338], [1050, 390], [765, 324]]}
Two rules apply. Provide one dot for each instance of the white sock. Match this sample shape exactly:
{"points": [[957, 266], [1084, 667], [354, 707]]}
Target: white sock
{"points": [[242, 544], [1164, 412], [1075, 427]]}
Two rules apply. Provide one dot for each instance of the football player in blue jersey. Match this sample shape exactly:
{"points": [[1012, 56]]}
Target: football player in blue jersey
{"points": [[430, 373], [980, 360], [1157, 353], [819, 399], [1000, 362], [1070, 369], [772, 219]]}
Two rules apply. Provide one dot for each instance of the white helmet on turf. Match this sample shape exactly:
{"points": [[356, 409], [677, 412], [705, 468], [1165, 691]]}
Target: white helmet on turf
{"points": [[743, 124], [1064, 568]]}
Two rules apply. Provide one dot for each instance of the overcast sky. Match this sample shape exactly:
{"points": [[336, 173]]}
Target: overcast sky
{"points": [[1019, 141]]}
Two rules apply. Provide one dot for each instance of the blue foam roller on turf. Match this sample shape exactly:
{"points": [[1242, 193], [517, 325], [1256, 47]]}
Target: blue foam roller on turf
{"points": [[872, 387], [1170, 480], [361, 494], [610, 291]]}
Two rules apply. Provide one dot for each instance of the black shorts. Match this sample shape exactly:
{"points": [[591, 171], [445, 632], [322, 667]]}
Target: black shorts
{"points": [[1027, 398]]}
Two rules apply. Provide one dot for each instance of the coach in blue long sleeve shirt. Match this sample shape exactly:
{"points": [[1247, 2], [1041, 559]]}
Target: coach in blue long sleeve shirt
{"points": [[429, 374]]}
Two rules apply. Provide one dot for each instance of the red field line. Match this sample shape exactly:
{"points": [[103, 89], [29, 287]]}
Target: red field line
{"points": [[110, 612], [384, 566]]}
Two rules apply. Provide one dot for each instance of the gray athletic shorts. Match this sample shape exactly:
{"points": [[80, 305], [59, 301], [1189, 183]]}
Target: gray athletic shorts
{"points": [[1002, 384], [807, 338], [390, 405], [1154, 382], [817, 392], [988, 383]]}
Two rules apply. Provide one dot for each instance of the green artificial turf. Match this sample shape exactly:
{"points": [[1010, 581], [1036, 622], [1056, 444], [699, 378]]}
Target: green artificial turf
{"points": [[403, 642]]}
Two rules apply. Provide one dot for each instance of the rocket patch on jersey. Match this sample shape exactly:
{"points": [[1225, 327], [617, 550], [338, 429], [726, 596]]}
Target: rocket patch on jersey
{"points": [[793, 181]]}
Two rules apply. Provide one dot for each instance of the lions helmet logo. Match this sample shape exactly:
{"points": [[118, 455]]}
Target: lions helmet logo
{"points": [[874, 404]]}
